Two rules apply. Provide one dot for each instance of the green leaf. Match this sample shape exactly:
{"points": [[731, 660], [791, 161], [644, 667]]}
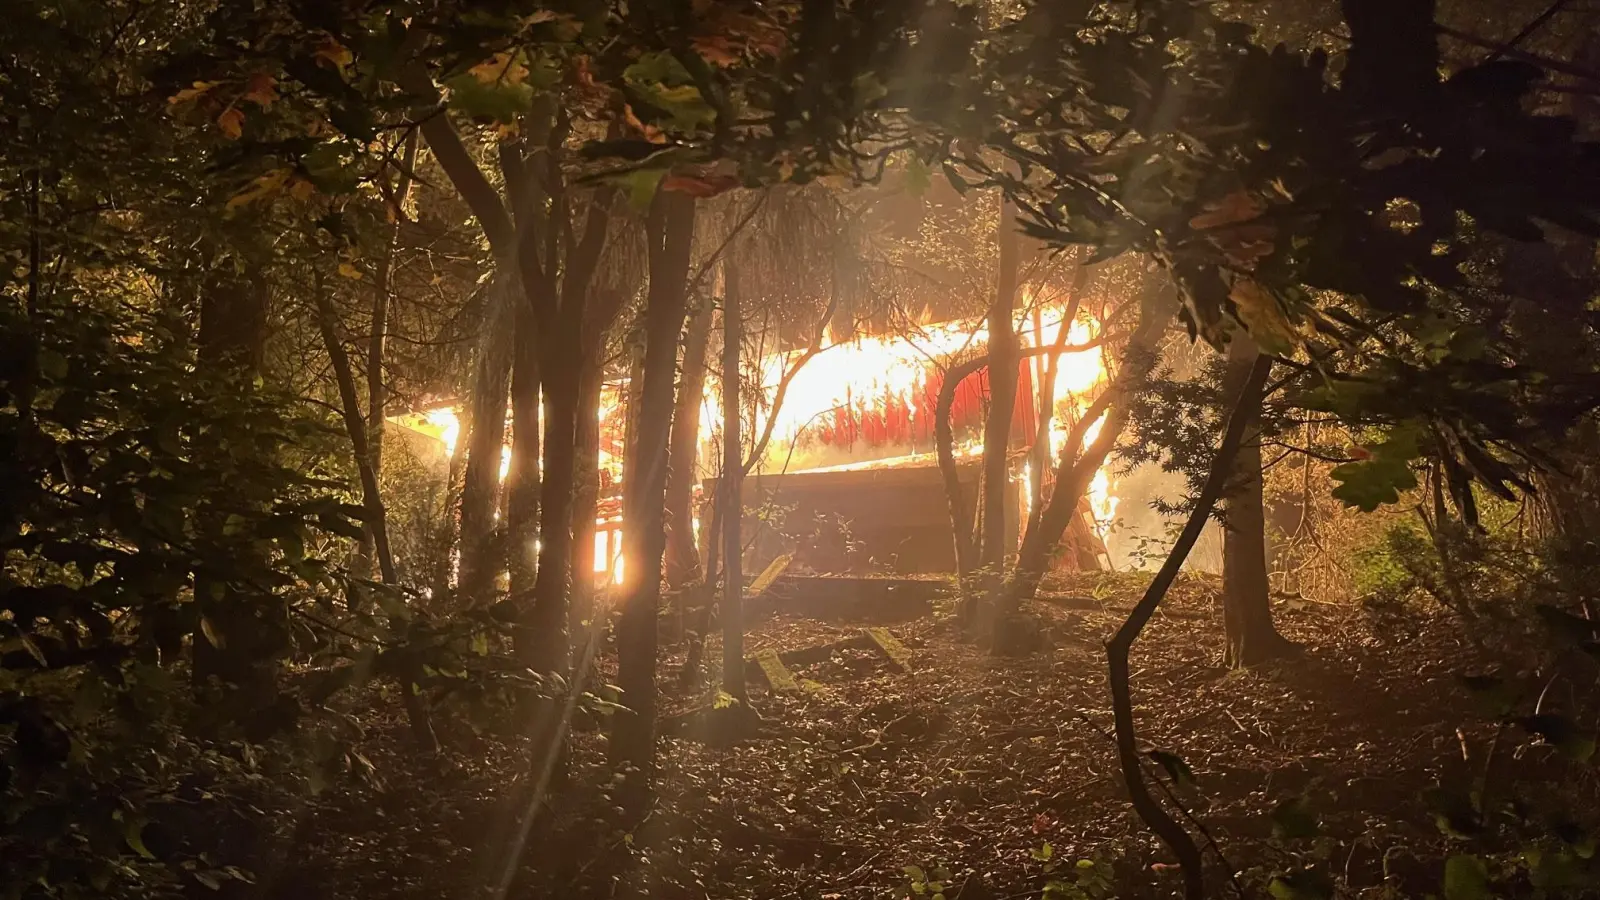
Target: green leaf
{"points": [[1307, 884], [1379, 479], [662, 81], [1496, 696], [641, 185], [1177, 769], [1563, 734], [133, 833], [868, 89], [918, 177], [1572, 628], [1293, 820], [32, 646], [1044, 853], [496, 101], [212, 636], [53, 365], [1466, 878]]}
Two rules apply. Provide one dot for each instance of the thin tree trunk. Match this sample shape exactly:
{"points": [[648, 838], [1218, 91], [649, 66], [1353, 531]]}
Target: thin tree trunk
{"points": [[520, 509], [378, 336], [232, 345], [671, 231], [683, 557], [480, 489], [732, 610], [961, 513], [586, 500], [1047, 399], [1076, 467], [1117, 652], [1246, 594], [1003, 361], [377, 526]]}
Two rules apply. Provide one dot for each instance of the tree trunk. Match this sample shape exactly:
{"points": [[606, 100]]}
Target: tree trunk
{"points": [[1131, 761], [1040, 454], [520, 511], [544, 645], [1077, 465], [480, 489], [1003, 361], [961, 513], [232, 345], [670, 235], [683, 558], [378, 336], [732, 610], [377, 524], [1246, 594], [586, 500]]}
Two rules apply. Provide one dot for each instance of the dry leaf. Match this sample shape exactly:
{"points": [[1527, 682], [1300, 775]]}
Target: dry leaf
{"points": [[1239, 206], [349, 271], [231, 123], [200, 89], [501, 68], [261, 89], [1261, 313], [699, 185], [334, 53], [716, 49], [648, 132], [302, 189], [263, 188], [1245, 245]]}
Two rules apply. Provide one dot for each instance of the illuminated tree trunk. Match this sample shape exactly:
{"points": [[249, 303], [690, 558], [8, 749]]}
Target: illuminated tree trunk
{"points": [[1246, 594], [1077, 464], [520, 511], [732, 610], [543, 643], [1003, 362], [961, 512], [1040, 455], [683, 558], [670, 232], [480, 489], [586, 501]]}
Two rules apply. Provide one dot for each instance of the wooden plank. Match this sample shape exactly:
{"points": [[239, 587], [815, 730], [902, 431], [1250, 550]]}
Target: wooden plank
{"points": [[777, 675], [770, 574], [891, 647]]}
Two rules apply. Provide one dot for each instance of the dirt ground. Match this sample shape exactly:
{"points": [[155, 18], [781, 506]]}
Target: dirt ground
{"points": [[964, 763]]}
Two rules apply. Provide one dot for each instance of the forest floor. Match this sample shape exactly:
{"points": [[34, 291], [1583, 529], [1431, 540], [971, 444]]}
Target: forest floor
{"points": [[964, 763]]}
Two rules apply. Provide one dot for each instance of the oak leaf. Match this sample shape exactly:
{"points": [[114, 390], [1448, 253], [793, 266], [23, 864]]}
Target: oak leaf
{"points": [[261, 89], [231, 123], [1239, 206]]}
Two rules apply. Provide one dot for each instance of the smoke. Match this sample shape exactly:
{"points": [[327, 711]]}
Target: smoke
{"points": [[1140, 537]]}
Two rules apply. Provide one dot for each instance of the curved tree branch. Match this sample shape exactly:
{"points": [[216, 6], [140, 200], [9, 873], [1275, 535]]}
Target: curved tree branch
{"points": [[1149, 809]]}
